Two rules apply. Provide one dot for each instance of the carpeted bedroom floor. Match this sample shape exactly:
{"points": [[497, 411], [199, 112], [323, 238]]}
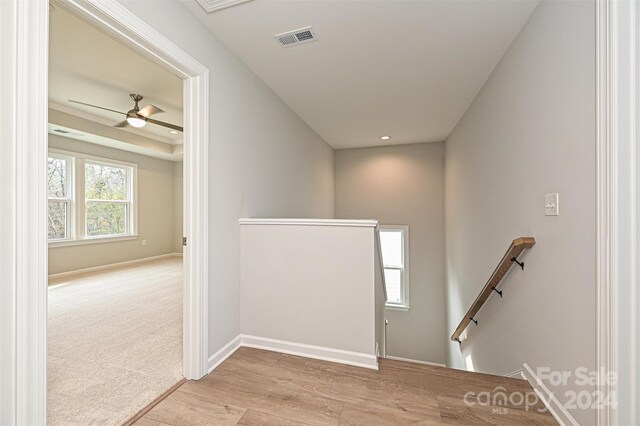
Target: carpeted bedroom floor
{"points": [[114, 342]]}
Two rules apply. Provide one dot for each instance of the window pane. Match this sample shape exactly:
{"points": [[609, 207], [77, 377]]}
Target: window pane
{"points": [[106, 218], [57, 220], [391, 242], [57, 177], [105, 182], [392, 279]]}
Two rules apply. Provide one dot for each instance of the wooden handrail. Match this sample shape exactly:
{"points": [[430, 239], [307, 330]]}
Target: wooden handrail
{"points": [[505, 264]]}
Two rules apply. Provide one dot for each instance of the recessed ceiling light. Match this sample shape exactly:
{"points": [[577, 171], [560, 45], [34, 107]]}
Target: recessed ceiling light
{"points": [[385, 138], [174, 132]]}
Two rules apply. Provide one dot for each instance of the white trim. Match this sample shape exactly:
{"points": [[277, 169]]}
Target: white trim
{"points": [[339, 356], [405, 281], [30, 201], [119, 22], [394, 307], [557, 410], [25, 130], [8, 252], [225, 352], [415, 361], [92, 240], [605, 188], [70, 193], [215, 5], [311, 222], [110, 266], [617, 208]]}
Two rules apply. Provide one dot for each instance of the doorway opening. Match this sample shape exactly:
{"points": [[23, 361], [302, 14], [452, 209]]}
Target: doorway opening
{"points": [[114, 226]]}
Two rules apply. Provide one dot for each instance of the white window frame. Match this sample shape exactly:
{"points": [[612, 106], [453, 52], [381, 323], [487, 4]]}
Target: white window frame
{"points": [[78, 235], [128, 201], [404, 268], [70, 195]]}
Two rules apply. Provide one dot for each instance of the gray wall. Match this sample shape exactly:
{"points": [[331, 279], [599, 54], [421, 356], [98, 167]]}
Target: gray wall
{"points": [[312, 285], [157, 220], [530, 131], [404, 185], [264, 160]]}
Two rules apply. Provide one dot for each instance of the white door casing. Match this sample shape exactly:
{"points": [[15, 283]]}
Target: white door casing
{"points": [[23, 127]]}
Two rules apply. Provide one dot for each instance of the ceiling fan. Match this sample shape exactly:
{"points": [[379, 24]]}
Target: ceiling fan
{"points": [[137, 117]]}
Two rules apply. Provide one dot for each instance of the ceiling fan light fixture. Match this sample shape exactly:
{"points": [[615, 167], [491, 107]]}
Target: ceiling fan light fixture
{"points": [[135, 120], [137, 117]]}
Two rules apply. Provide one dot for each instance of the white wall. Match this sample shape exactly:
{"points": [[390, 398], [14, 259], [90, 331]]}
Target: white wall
{"points": [[312, 284], [157, 206], [264, 160], [530, 131], [404, 185]]}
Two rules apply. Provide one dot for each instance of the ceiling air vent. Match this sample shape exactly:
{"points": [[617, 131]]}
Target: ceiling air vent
{"points": [[67, 132], [293, 38]]}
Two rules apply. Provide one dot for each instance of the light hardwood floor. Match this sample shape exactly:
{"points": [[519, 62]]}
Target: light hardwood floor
{"points": [[255, 387]]}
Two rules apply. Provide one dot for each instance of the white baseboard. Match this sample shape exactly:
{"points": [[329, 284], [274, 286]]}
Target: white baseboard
{"points": [[557, 410], [300, 349], [111, 266], [340, 356], [224, 353], [414, 361]]}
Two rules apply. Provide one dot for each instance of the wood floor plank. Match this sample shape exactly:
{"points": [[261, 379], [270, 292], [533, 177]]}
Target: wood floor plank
{"points": [[453, 373], [186, 408], [368, 415], [455, 411], [256, 387], [145, 421], [253, 418], [269, 395]]}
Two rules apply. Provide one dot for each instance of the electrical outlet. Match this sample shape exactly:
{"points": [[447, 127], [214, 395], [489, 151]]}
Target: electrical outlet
{"points": [[144, 242], [552, 204]]}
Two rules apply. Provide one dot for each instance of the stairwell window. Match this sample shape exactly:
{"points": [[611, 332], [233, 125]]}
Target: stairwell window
{"points": [[394, 243], [91, 199]]}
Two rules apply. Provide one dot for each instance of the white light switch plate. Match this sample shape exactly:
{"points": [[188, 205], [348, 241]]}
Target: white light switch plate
{"points": [[551, 204]]}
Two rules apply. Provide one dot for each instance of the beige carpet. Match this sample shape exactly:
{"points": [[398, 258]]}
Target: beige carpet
{"points": [[115, 342]]}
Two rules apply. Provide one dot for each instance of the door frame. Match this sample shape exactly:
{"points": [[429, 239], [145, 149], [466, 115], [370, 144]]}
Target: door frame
{"points": [[618, 218], [24, 124]]}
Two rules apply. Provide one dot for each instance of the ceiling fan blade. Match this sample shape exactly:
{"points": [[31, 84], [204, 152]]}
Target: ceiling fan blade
{"points": [[149, 110], [122, 124], [162, 123], [96, 106]]}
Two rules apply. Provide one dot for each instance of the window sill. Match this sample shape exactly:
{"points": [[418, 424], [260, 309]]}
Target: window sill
{"points": [[403, 308], [100, 240]]}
